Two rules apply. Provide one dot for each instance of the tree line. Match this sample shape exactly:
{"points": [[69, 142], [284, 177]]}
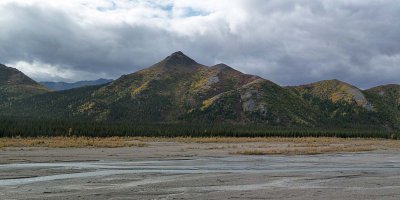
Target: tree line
{"points": [[28, 127]]}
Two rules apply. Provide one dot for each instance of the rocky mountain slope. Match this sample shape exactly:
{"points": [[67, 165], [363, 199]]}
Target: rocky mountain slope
{"points": [[386, 100], [16, 85], [336, 102], [335, 91]]}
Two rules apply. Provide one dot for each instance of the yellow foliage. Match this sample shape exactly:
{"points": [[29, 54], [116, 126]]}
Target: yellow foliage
{"points": [[140, 88]]}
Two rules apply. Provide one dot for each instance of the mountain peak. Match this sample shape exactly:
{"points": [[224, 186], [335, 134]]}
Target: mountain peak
{"points": [[336, 90], [178, 53], [224, 68], [10, 69], [221, 66], [15, 85], [10, 75], [178, 59], [337, 81], [329, 83]]}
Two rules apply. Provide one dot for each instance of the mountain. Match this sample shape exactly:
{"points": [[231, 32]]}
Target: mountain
{"points": [[335, 91], [16, 85], [390, 92], [340, 103], [58, 86], [386, 100], [177, 89]]}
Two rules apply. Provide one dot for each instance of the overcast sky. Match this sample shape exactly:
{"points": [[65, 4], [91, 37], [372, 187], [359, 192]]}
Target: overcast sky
{"points": [[287, 41]]}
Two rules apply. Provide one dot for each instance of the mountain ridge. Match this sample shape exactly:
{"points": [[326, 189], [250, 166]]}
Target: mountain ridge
{"points": [[16, 85], [335, 90], [179, 90], [57, 86]]}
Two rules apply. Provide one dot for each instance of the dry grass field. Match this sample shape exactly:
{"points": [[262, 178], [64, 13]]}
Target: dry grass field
{"points": [[283, 146], [245, 146], [71, 142]]}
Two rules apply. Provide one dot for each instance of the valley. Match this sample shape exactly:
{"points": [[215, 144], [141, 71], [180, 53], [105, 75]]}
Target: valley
{"points": [[198, 168]]}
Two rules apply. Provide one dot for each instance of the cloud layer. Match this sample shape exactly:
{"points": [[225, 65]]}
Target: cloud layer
{"points": [[289, 42]]}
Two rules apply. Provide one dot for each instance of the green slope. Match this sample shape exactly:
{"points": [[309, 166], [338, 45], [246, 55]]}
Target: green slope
{"points": [[180, 90], [386, 100], [177, 89], [16, 85], [341, 104], [259, 101]]}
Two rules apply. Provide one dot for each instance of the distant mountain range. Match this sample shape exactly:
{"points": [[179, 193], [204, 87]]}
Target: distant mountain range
{"points": [[58, 86], [180, 90]]}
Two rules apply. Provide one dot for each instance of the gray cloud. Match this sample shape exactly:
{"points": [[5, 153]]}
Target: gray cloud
{"points": [[289, 42]]}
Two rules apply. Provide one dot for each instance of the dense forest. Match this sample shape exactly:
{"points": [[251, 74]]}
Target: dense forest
{"points": [[14, 127]]}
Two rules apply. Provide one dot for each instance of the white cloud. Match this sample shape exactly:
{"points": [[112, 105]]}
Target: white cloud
{"points": [[287, 41], [42, 72]]}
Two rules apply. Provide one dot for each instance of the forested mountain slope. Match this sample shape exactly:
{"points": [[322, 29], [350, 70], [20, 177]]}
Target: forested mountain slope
{"points": [[180, 90], [16, 85]]}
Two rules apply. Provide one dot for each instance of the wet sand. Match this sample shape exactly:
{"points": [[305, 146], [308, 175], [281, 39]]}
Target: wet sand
{"points": [[173, 170]]}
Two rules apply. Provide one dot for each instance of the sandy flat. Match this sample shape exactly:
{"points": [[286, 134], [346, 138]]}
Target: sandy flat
{"points": [[176, 170]]}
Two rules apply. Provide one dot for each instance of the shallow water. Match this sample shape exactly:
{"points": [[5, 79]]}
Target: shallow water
{"points": [[368, 162]]}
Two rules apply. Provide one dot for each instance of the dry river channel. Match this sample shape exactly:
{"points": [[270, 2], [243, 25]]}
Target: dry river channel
{"points": [[126, 173]]}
